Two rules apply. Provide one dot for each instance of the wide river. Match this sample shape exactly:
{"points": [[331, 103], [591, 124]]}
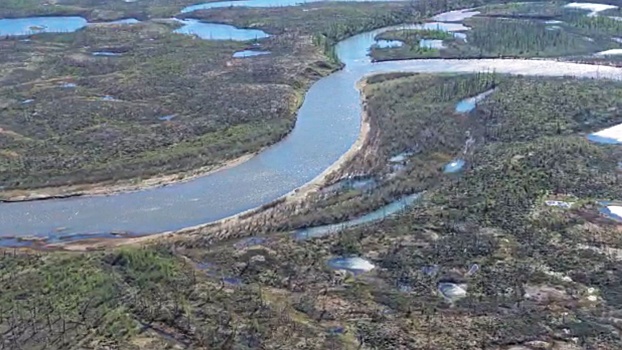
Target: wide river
{"points": [[328, 124]]}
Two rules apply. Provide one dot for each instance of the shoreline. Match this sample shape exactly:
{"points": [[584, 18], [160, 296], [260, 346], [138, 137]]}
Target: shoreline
{"points": [[122, 186], [297, 194], [136, 184]]}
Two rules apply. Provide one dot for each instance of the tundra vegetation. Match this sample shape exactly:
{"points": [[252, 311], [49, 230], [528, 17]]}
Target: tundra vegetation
{"points": [[523, 30], [481, 262]]}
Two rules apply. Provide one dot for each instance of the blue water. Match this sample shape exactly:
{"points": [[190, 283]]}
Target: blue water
{"points": [[384, 44], [451, 291], [214, 31], [376, 215], [105, 53], [355, 265], [259, 3], [473, 270], [327, 125], [249, 53], [454, 166], [469, 104], [167, 118], [23, 26], [431, 44], [15, 242]]}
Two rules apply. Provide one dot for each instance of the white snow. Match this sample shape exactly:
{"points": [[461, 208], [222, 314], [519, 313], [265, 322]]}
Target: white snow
{"points": [[455, 16], [615, 210], [558, 204], [360, 264], [595, 8], [609, 52], [614, 132]]}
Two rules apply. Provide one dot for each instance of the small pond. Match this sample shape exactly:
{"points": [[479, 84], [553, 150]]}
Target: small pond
{"points": [[355, 265], [452, 291], [33, 25], [249, 53], [469, 104], [214, 31], [454, 166]]}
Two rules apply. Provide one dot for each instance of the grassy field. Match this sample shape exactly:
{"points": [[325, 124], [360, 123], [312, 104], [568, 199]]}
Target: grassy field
{"points": [[516, 30], [535, 275]]}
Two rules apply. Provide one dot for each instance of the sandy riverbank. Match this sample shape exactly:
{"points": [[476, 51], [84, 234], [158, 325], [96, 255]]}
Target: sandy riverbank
{"points": [[107, 188], [298, 194]]}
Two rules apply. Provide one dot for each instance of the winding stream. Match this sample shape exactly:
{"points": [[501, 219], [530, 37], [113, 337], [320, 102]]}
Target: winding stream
{"points": [[328, 124]]}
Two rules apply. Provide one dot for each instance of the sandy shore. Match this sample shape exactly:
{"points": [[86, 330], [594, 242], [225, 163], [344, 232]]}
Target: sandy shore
{"points": [[298, 194], [106, 188]]}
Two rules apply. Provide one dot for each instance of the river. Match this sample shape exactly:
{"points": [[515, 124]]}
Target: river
{"points": [[328, 123]]}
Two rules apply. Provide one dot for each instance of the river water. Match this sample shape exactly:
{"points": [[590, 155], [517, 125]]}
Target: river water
{"points": [[328, 124]]}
